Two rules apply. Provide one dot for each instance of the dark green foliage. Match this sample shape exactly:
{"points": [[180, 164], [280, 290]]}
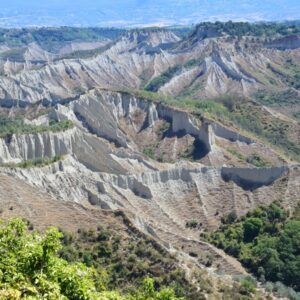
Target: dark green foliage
{"points": [[290, 74], [191, 224], [78, 90], [188, 153], [149, 151], [166, 76], [284, 98], [31, 268], [238, 29], [245, 114], [161, 80], [126, 260], [267, 242], [257, 161], [230, 218], [191, 63], [252, 228], [254, 159], [241, 113], [293, 77], [248, 286]]}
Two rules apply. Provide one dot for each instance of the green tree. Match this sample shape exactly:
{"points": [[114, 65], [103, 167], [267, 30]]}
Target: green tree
{"points": [[270, 243], [30, 268], [252, 227]]}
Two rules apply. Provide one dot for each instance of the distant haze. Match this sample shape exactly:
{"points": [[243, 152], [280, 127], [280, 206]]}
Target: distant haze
{"points": [[133, 13]]}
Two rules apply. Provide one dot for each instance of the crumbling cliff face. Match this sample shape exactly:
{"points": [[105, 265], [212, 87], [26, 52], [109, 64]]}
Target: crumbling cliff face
{"points": [[207, 67], [163, 201], [122, 65], [160, 166], [104, 167], [128, 122], [113, 107], [30, 146], [251, 179]]}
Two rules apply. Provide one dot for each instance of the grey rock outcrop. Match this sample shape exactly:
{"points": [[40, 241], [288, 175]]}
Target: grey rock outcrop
{"points": [[103, 168], [218, 67]]}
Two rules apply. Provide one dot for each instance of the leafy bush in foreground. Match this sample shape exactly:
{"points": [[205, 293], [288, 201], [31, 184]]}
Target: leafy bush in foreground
{"points": [[30, 268]]}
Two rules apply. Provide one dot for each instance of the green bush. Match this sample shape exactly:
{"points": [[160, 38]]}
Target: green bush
{"points": [[191, 224], [161, 80], [238, 29], [33, 163], [126, 260], [30, 268], [10, 126], [277, 99], [252, 227], [230, 218], [149, 151], [266, 241], [257, 161], [248, 286]]}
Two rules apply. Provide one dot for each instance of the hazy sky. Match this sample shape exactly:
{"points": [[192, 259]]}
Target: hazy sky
{"points": [[141, 12]]}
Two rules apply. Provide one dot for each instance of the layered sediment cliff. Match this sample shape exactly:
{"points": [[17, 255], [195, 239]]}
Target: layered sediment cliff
{"points": [[105, 167]]}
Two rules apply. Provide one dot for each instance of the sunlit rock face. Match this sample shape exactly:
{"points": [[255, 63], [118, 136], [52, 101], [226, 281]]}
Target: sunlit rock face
{"points": [[161, 165]]}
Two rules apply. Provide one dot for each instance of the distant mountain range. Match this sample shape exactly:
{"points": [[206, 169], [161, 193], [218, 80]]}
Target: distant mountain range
{"points": [[137, 13]]}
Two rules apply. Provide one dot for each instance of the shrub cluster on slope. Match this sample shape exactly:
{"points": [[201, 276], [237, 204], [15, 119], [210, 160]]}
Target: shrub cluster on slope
{"points": [[161, 80], [157, 82], [9, 126], [266, 241], [289, 73], [30, 268], [277, 99], [126, 260], [33, 163], [254, 159], [247, 29]]}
